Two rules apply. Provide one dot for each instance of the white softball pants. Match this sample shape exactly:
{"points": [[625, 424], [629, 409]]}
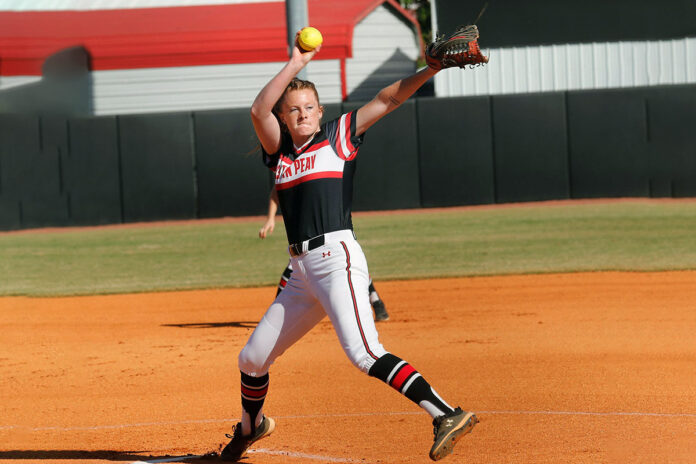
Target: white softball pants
{"points": [[331, 280]]}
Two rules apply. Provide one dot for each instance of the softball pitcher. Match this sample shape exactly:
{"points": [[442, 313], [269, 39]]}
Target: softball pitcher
{"points": [[313, 165]]}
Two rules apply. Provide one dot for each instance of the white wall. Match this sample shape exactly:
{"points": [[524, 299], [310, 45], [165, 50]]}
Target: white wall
{"points": [[198, 87], [375, 40], [573, 67], [7, 82]]}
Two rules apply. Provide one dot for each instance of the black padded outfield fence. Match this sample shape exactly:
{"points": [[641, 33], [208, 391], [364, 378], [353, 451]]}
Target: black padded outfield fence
{"points": [[637, 142]]}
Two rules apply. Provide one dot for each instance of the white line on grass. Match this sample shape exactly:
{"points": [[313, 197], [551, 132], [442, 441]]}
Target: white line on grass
{"points": [[357, 414]]}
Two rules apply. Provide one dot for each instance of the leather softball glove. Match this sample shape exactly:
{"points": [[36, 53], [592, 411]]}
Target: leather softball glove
{"points": [[459, 49]]}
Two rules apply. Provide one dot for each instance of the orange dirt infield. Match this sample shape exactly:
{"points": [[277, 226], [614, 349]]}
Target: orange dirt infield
{"points": [[570, 368]]}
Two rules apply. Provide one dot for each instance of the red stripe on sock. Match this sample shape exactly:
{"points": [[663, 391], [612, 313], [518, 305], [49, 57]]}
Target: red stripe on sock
{"points": [[254, 393], [401, 376]]}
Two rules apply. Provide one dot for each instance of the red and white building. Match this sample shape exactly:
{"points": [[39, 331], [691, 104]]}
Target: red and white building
{"points": [[178, 55]]}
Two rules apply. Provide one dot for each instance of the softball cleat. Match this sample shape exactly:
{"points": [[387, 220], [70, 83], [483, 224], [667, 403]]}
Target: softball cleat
{"points": [[238, 446], [448, 430]]}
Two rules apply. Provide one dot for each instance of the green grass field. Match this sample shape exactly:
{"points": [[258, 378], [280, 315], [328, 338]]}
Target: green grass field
{"points": [[638, 235]]}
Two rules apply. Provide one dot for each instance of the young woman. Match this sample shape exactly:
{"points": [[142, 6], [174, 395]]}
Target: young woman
{"points": [[313, 165]]}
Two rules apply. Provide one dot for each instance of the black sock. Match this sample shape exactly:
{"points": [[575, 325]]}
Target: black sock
{"points": [[405, 379], [254, 391], [374, 296]]}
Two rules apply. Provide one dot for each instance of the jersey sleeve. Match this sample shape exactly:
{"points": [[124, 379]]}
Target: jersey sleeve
{"points": [[341, 135], [270, 161]]}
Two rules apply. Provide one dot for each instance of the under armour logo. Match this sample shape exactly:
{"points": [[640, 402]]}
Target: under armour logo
{"points": [[324, 255]]}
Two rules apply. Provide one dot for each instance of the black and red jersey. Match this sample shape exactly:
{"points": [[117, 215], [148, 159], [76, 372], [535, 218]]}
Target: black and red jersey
{"points": [[315, 182]]}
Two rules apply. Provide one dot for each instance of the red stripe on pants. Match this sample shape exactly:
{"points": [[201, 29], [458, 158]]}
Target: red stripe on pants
{"points": [[355, 303]]}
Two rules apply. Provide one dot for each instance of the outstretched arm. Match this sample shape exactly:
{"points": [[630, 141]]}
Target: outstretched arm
{"points": [[265, 123], [390, 97]]}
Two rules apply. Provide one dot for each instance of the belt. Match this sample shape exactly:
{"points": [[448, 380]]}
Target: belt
{"points": [[299, 248], [312, 243]]}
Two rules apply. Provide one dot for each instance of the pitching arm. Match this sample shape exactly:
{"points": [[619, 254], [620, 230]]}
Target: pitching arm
{"points": [[266, 125]]}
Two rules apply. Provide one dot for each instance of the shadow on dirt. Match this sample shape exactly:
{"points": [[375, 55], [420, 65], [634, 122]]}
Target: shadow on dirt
{"points": [[212, 325], [105, 455]]}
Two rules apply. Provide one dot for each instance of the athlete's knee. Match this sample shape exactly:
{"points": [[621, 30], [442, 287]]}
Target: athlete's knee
{"points": [[252, 362], [363, 359]]}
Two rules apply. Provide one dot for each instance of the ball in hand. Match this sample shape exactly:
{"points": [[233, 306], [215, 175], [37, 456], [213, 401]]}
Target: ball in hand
{"points": [[309, 39]]}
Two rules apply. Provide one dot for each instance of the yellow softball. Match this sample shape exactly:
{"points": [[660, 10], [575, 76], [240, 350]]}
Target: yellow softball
{"points": [[310, 38]]}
